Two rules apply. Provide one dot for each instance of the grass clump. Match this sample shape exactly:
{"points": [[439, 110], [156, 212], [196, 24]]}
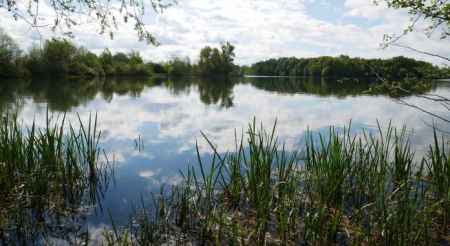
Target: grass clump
{"points": [[341, 189], [47, 176]]}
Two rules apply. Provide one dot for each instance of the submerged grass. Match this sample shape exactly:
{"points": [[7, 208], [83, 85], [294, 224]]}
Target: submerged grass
{"points": [[341, 189], [47, 175]]}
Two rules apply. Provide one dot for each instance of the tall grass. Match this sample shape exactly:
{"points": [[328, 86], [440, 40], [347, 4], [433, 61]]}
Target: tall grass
{"points": [[342, 188], [46, 176]]}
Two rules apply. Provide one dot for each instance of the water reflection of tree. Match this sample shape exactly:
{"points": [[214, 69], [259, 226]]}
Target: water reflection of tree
{"points": [[132, 87], [64, 94], [10, 99], [217, 90], [310, 85], [179, 86]]}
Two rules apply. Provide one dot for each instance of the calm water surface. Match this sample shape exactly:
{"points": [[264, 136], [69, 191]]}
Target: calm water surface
{"points": [[150, 127]]}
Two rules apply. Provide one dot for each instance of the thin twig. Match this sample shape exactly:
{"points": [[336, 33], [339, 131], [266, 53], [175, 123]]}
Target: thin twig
{"points": [[420, 51]]}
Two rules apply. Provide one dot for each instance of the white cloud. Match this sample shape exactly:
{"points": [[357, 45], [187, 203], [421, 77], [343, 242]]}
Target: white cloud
{"points": [[148, 174], [260, 29]]}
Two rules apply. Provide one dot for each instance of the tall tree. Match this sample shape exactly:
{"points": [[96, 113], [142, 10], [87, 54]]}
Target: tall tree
{"points": [[58, 55], [9, 53], [215, 62], [228, 57]]}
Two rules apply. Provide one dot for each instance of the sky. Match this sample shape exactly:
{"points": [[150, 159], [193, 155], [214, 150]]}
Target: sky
{"points": [[260, 29]]}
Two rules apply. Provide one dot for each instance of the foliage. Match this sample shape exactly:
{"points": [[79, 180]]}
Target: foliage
{"points": [[157, 68], [215, 62], [87, 63], [344, 66], [58, 56], [34, 62], [61, 58], [178, 67], [9, 55]]}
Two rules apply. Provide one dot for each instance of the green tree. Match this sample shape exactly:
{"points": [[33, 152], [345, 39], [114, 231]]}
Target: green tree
{"points": [[179, 67], [120, 57], [135, 57], [215, 62], [9, 54], [86, 63], [58, 55], [157, 68], [204, 63], [344, 66], [228, 57], [34, 61], [106, 59]]}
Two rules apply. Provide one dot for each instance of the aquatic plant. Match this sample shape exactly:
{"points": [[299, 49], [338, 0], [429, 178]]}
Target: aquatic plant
{"points": [[342, 188], [48, 176]]}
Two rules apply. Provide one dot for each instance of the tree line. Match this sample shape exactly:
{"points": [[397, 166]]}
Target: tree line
{"points": [[213, 62], [345, 67], [60, 57]]}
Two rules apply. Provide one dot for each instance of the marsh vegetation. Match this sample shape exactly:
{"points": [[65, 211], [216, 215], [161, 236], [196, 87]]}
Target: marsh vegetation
{"points": [[50, 178], [341, 188]]}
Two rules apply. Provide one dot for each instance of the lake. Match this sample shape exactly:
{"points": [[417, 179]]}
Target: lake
{"points": [[150, 126]]}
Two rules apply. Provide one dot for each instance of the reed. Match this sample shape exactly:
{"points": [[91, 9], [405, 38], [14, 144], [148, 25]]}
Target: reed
{"points": [[342, 188], [46, 175]]}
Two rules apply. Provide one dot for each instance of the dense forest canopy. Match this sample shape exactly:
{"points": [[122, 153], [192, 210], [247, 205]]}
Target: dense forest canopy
{"points": [[60, 57], [344, 66]]}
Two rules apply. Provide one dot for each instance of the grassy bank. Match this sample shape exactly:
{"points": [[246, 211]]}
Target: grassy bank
{"points": [[340, 189]]}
